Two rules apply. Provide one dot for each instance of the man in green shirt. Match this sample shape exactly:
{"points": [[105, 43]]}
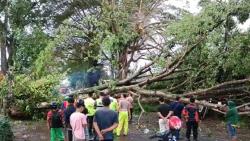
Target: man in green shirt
{"points": [[232, 119]]}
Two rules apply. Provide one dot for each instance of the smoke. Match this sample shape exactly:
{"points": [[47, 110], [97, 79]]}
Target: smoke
{"points": [[83, 79]]}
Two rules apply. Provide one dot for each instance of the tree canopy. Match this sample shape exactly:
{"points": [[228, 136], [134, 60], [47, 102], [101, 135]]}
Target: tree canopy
{"points": [[134, 45]]}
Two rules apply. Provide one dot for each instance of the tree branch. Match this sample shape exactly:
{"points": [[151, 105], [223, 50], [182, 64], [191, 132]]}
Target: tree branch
{"points": [[173, 68], [137, 73], [243, 105], [222, 85]]}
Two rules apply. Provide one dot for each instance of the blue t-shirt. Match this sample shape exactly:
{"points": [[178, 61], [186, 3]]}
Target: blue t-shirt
{"points": [[67, 113], [177, 108], [105, 118]]}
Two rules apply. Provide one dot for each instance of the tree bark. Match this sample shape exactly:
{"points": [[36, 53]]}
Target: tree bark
{"points": [[4, 65], [123, 64], [4, 39]]}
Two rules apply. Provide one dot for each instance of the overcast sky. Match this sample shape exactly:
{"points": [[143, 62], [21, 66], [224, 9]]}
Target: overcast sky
{"points": [[190, 5], [193, 7]]}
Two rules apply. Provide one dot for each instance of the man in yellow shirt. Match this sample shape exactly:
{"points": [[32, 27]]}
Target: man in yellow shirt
{"points": [[114, 104], [90, 105], [98, 102]]}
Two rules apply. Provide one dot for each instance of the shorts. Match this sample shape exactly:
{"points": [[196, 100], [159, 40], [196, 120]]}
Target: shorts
{"points": [[163, 125], [231, 130], [56, 134]]}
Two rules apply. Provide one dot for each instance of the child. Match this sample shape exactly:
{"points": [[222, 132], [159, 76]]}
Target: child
{"points": [[78, 122], [55, 123]]}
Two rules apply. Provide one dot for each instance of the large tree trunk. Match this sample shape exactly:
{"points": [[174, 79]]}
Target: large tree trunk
{"points": [[11, 51], [4, 40], [4, 63], [123, 65], [4, 60]]}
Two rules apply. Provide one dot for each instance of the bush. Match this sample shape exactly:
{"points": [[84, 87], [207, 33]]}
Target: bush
{"points": [[28, 93], [245, 122], [6, 133]]}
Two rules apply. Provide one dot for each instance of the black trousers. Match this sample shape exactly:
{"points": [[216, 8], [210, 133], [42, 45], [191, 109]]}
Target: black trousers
{"points": [[90, 125], [192, 126], [70, 135], [131, 114], [103, 140]]}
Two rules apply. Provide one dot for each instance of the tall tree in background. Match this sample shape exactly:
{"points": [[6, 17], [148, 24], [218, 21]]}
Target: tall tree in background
{"points": [[117, 33], [16, 15]]}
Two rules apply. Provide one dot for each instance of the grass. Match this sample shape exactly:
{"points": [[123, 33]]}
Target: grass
{"points": [[147, 108], [245, 122]]}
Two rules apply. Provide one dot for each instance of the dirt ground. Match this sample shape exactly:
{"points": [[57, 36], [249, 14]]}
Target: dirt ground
{"points": [[210, 130]]}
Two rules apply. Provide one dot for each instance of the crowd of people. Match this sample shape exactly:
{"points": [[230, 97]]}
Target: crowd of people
{"points": [[84, 119], [173, 115]]}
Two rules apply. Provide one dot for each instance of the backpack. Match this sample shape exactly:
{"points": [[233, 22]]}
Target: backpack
{"points": [[191, 113], [56, 120], [174, 123]]}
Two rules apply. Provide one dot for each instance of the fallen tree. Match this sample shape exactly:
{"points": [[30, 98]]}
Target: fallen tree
{"points": [[139, 80]]}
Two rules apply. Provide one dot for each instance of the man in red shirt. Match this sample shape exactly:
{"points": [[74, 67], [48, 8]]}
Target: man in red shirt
{"points": [[191, 115], [55, 123]]}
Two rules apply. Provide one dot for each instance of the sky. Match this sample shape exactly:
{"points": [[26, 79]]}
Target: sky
{"points": [[245, 26], [189, 5], [193, 7]]}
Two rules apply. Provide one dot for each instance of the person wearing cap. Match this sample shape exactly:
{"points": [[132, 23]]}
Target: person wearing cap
{"points": [[78, 122], [232, 119], [90, 105], [55, 123], [104, 125], [67, 113]]}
